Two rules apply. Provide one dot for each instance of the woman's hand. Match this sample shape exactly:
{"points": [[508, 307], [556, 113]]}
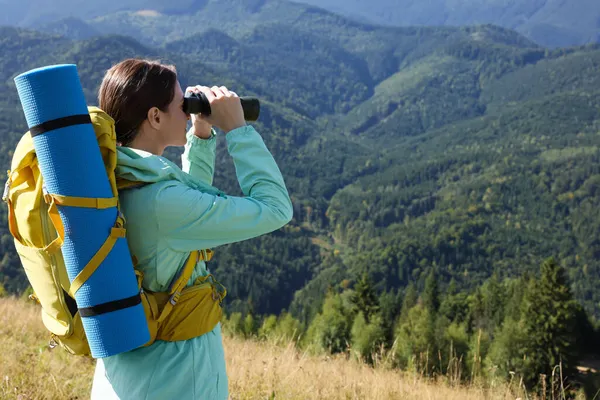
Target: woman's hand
{"points": [[200, 126], [226, 109]]}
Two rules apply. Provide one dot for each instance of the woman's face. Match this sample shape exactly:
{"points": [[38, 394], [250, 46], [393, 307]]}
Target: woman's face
{"points": [[174, 128]]}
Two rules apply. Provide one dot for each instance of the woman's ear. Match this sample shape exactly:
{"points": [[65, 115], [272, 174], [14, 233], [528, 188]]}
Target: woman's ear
{"points": [[154, 117]]}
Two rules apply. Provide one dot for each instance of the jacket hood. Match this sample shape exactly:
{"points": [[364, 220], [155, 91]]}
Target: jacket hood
{"points": [[142, 166]]}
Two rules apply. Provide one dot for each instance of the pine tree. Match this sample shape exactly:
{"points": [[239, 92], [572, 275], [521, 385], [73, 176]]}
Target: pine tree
{"points": [[506, 351], [367, 337], [364, 297], [494, 297], [476, 312], [550, 321], [330, 329], [431, 294], [288, 328], [234, 325], [268, 327], [249, 325], [410, 300], [516, 289], [415, 341], [389, 306], [455, 305]]}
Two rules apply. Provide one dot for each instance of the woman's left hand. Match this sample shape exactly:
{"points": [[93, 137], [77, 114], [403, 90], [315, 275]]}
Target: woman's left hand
{"points": [[200, 127]]}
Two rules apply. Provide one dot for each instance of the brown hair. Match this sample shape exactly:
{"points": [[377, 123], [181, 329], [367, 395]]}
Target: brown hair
{"points": [[131, 88]]}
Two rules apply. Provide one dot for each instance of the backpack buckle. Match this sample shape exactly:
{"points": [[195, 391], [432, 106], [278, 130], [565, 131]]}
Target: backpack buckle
{"points": [[174, 298]]}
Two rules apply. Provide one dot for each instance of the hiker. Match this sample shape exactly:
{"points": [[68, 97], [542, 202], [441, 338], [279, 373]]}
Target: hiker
{"points": [[172, 215]]}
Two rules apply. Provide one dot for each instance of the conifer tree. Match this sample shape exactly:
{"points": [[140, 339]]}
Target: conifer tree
{"points": [[330, 329], [494, 297], [389, 308], [367, 337], [415, 341], [455, 305], [431, 294], [409, 301], [550, 321], [249, 326], [364, 297]]}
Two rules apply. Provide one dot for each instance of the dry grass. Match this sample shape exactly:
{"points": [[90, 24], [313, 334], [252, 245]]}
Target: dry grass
{"points": [[264, 371], [28, 370]]}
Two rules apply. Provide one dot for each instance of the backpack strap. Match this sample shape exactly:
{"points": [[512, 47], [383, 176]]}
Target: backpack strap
{"points": [[55, 200], [181, 281], [116, 232], [86, 202]]}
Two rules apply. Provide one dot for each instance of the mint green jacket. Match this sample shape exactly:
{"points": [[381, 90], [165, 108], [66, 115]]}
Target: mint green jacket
{"points": [[180, 212]]}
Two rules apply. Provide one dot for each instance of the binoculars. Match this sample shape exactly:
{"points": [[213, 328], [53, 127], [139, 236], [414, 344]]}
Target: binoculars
{"points": [[197, 103]]}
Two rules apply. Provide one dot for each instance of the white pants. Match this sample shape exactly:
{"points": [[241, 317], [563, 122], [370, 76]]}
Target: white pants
{"points": [[101, 389]]}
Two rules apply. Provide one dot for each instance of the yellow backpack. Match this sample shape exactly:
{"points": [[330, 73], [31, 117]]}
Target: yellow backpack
{"points": [[181, 313]]}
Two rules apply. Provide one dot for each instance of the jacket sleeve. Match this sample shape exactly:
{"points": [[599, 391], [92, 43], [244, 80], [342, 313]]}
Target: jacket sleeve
{"points": [[189, 219], [198, 158]]}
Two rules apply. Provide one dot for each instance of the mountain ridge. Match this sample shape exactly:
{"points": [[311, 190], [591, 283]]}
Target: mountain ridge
{"points": [[551, 23], [426, 146]]}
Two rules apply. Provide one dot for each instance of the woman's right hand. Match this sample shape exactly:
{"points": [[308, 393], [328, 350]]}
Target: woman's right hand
{"points": [[226, 111]]}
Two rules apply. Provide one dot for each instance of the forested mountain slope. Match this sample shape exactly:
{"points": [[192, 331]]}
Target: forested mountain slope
{"points": [[460, 150]]}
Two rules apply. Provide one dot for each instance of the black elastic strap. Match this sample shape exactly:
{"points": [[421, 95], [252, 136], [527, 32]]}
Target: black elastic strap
{"points": [[110, 306], [60, 123]]}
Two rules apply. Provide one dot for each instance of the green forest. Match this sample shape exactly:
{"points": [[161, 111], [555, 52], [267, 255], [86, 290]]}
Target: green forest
{"points": [[445, 181]]}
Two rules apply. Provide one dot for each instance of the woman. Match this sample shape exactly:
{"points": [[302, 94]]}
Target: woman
{"points": [[179, 212]]}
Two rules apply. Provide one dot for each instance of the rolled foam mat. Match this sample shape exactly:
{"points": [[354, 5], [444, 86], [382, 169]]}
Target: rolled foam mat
{"points": [[71, 165]]}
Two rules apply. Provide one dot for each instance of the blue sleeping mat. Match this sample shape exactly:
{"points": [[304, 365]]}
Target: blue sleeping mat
{"points": [[71, 165]]}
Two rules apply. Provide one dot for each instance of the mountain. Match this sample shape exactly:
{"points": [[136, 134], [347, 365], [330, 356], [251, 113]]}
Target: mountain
{"points": [[93, 57], [460, 150], [70, 27], [342, 77], [552, 23], [33, 13]]}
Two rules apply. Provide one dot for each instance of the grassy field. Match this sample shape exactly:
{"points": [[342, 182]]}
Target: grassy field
{"points": [[257, 370]]}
